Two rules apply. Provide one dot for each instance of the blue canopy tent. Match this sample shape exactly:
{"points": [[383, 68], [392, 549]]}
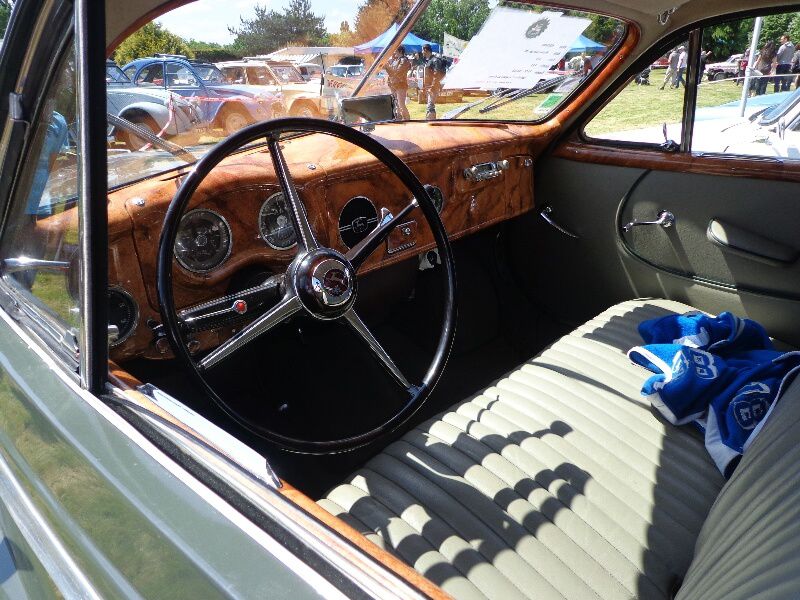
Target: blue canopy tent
{"points": [[585, 45], [411, 42]]}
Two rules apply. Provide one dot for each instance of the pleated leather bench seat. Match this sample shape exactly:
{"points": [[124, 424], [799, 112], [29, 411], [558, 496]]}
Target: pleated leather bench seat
{"points": [[559, 481]]}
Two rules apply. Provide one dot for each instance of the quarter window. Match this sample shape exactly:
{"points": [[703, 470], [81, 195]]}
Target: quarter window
{"points": [[40, 240], [747, 102], [649, 109]]}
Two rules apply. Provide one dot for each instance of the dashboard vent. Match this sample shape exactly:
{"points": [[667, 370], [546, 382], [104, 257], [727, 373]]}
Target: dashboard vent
{"points": [[357, 219]]}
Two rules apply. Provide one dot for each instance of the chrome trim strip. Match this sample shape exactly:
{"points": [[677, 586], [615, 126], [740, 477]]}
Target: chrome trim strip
{"points": [[270, 544], [55, 558]]}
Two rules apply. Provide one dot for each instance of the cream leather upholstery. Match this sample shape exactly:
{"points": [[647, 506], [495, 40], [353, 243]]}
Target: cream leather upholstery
{"points": [[559, 481]]}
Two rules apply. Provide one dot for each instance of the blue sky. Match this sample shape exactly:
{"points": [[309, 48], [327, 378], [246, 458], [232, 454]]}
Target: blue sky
{"points": [[208, 20]]}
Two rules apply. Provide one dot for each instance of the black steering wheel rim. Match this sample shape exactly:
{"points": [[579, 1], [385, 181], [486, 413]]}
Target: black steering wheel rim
{"points": [[169, 315]]}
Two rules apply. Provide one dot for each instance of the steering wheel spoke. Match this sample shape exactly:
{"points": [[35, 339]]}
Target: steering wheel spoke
{"points": [[305, 234], [233, 307], [377, 349], [279, 313], [361, 251], [319, 281]]}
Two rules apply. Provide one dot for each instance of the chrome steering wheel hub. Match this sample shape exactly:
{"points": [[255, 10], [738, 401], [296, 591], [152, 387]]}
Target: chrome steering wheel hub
{"points": [[326, 284]]}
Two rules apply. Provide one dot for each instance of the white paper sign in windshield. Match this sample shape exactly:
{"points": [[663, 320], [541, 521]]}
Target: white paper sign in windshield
{"points": [[514, 49]]}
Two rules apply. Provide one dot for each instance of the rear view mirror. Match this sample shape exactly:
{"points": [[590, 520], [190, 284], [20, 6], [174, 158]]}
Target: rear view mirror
{"points": [[369, 109]]}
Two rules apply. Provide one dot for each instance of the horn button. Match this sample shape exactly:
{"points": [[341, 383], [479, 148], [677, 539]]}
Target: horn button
{"points": [[326, 284]]}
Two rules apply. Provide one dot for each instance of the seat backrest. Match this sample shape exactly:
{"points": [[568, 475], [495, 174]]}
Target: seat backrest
{"points": [[749, 545]]}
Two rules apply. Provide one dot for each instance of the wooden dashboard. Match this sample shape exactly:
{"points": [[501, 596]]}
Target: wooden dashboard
{"points": [[327, 173]]}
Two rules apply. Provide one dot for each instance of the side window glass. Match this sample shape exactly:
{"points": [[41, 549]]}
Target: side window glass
{"points": [[151, 75], [130, 71], [650, 103], [747, 102], [179, 75], [40, 240]]}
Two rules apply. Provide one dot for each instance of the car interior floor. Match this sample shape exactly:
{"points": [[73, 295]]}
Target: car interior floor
{"points": [[318, 379]]}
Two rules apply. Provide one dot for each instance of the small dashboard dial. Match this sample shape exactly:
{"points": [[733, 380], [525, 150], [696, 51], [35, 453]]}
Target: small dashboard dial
{"points": [[436, 196], [357, 219], [203, 241], [275, 223], [123, 313]]}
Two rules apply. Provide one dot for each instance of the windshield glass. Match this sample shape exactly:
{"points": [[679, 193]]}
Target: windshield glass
{"points": [[114, 75], [460, 59], [775, 112]]}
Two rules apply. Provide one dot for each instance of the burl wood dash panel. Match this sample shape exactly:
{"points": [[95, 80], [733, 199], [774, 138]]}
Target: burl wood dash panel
{"points": [[328, 173]]}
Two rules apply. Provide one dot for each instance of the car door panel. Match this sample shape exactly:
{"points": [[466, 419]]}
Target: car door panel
{"points": [[731, 231], [574, 278]]}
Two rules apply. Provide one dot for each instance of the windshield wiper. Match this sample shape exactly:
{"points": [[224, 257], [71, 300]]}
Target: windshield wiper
{"points": [[146, 134], [507, 96], [541, 86]]}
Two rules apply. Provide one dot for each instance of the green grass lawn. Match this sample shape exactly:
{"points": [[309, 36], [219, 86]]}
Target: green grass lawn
{"points": [[635, 107]]}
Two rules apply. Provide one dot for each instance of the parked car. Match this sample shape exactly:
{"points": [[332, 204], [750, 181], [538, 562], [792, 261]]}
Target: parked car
{"points": [[346, 70], [392, 361], [160, 111], [725, 69], [280, 77], [226, 106], [309, 71]]}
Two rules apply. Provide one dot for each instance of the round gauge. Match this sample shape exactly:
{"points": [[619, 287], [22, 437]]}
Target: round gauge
{"points": [[436, 196], [275, 223], [203, 241], [357, 219], [123, 313]]}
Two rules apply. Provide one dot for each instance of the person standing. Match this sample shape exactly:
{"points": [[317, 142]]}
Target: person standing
{"points": [[704, 56], [783, 67], [397, 70], [433, 74], [763, 65], [672, 66], [681, 69]]}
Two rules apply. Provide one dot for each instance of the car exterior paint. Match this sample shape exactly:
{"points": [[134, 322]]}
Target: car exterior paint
{"points": [[277, 77], [212, 99]]}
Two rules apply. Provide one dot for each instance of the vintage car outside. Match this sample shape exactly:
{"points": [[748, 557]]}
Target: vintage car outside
{"points": [[315, 360], [226, 106], [162, 112], [301, 98]]}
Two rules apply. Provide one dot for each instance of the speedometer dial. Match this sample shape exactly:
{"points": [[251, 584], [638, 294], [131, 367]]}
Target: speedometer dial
{"points": [[275, 223], [203, 241]]}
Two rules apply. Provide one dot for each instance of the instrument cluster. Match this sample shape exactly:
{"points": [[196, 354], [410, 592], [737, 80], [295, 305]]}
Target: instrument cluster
{"points": [[205, 239]]}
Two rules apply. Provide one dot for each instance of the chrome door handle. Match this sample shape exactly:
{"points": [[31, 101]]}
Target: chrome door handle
{"points": [[665, 219], [545, 214]]}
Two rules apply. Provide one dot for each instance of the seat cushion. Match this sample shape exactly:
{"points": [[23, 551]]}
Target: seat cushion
{"points": [[558, 481]]}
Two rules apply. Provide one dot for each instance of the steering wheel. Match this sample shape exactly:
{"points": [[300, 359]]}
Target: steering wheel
{"points": [[320, 282]]}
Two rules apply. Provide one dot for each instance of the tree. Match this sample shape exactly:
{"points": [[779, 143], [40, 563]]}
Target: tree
{"points": [[270, 30], [461, 18], [5, 15], [728, 38], [345, 37], [774, 27], [211, 52], [149, 40], [374, 17]]}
